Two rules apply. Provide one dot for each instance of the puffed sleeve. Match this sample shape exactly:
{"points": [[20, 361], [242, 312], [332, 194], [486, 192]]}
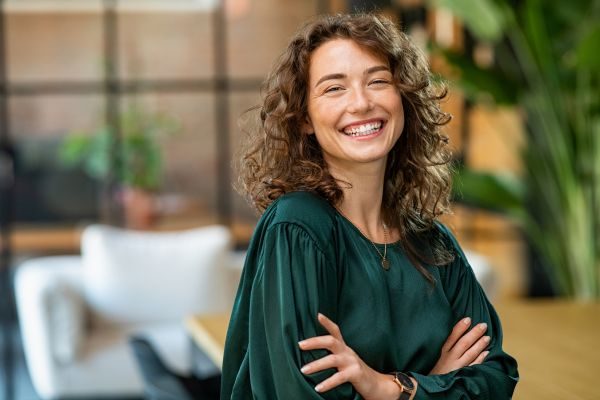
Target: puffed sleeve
{"points": [[497, 376], [294, 282]]}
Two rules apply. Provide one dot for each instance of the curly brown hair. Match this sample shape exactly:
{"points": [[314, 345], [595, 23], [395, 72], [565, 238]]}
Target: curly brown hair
{"points": [[279, 158]]}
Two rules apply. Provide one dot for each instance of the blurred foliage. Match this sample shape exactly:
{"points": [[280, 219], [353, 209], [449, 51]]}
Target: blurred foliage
{"points": [[502, 193], [139, 161], [547, 63]]}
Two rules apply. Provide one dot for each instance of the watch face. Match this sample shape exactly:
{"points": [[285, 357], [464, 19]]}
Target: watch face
{"points": [[405, 380]]}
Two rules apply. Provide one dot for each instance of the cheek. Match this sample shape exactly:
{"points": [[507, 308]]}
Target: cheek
{"points": [[399, 103], [399, 113], [401, 118], [323, 116]]}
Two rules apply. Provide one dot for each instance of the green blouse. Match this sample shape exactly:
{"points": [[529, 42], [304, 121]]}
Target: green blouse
{"points": [[306, 258]]}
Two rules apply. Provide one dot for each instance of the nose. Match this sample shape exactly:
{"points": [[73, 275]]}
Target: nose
{"points": [[359, 102]]}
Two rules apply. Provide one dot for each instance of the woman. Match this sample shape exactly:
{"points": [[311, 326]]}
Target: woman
{"points": [[351, 289]]}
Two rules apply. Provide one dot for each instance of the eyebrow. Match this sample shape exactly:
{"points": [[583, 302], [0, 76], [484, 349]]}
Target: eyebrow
{"points": [[369, 71]]}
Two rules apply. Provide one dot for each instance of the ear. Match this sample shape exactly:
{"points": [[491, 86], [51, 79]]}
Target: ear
{"points": [[307, 126]]}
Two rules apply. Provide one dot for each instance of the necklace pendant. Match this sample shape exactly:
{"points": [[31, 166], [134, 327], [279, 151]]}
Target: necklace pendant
{"points": [[385, 263]]}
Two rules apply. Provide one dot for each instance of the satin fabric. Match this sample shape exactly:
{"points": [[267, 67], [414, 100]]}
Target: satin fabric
{"points": [[306, 258]]}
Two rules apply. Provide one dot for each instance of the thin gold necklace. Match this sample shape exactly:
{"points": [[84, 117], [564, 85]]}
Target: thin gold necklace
{"points": [[385, 263]]}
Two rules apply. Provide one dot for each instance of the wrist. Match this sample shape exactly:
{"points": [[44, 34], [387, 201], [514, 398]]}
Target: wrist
{"points": [[415, 385], [406, 384], [385, 388]]}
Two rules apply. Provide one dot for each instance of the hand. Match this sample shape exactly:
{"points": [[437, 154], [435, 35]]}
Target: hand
{"points": [[462, 349], [350, 368]]}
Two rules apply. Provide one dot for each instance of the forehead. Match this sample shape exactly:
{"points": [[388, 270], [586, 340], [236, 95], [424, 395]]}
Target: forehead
{"points": [[342, 56]]}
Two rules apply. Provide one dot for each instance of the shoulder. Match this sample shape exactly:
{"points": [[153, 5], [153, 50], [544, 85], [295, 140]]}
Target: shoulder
{"points": [[444, 234], [434, 240], [303, 208], [305, 211], [459, 265]]}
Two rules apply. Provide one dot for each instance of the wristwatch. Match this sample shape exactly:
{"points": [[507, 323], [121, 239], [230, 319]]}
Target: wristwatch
{"points": [[405, 383]]}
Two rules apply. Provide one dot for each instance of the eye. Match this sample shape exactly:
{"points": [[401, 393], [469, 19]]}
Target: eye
{"points": [[333, 89], [380, 81]]}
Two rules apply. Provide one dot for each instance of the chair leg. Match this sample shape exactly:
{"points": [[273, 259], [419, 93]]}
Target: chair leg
{"points": [[203, 389], [160, 383]]}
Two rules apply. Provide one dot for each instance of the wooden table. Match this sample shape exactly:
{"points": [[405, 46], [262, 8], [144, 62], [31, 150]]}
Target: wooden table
{"points": [[556, 346], [208, 333], [554, 342]]}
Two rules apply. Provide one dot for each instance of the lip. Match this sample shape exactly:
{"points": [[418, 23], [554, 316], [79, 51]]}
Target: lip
{"points": [[363, 122]]}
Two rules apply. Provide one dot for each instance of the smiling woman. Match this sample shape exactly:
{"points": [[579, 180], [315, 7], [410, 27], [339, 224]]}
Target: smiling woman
{"points": [[351, 288], [356, 113]]}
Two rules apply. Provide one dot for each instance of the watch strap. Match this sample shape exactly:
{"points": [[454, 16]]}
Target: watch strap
{"points": [[405, 384]]}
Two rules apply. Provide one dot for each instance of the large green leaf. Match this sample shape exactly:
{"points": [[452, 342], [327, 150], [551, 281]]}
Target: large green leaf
{"points": [[551, 49], [475, 80], [587, 50], [500, 193], [483, 17]]}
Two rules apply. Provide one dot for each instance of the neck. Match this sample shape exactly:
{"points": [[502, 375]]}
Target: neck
{"points": [[362, 199]]}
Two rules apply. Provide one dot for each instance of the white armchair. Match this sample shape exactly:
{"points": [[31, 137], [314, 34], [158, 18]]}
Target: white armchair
{"points": [[76, 312]]}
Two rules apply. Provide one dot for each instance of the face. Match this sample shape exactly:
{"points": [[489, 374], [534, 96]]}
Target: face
{"points": [[354, 108]]}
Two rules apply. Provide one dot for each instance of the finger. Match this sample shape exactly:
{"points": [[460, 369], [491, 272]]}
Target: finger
{"points": [[480, 359], [333, 381], [475, 351], [320, 342], [459, 329], [330, 326], [468, 340], [329, 361]]}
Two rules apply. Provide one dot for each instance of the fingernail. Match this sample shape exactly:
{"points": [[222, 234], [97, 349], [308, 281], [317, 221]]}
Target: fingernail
{"points": [[301, 343], [467, 321], [486, 339], [485, 354], [318, 387], [483, 326], [304, 369]]}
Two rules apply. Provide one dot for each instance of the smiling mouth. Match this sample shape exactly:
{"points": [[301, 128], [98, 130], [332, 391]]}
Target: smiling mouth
{"points": [[363, 129]]}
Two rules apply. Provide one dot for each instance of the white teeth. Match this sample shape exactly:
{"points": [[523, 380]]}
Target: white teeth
{"points": [[363, 130]]}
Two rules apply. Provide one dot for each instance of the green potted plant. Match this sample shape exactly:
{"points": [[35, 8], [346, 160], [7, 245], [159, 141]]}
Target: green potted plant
{"points": [[547, 64], [138, 170]]}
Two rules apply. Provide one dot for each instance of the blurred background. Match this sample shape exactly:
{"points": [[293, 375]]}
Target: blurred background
{"points": [[129, 113]]}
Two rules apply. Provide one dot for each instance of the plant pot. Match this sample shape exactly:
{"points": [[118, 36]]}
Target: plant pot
{"points": [[139, 209]]}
